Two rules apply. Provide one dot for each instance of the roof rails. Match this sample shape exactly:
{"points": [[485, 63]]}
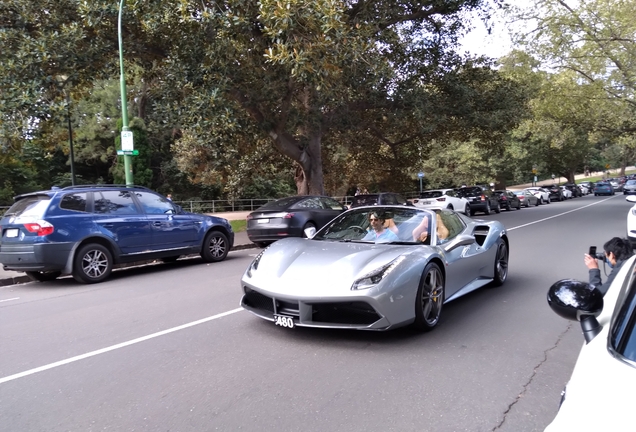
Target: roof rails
{"points": [[104, 186]]}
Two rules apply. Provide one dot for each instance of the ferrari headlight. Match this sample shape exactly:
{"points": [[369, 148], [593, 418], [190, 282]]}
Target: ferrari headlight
{"points": [[373, 278], [255, 263]]}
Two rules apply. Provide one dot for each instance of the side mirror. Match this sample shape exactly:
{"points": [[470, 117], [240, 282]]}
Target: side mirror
{"points": [[310, 232], [631, 198], [459, 241], [577, 301]]}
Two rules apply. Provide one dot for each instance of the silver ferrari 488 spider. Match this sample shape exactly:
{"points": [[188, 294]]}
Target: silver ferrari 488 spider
{"points": [[376, 268]]}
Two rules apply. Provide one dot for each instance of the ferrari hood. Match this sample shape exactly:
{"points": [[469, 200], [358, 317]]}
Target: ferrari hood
{"points": [[302, 267]]}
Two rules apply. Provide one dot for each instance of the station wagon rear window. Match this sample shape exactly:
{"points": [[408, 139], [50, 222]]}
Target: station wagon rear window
{"points": [[74, 201], [29, 206]]}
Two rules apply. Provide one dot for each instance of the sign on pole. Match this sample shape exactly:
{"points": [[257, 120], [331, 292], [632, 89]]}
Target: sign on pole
{"points": [[127, 141]]}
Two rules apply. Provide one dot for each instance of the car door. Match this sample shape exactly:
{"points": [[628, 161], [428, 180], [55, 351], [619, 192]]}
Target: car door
{"points": [[117, 215], [460, 269], [170, 230]]}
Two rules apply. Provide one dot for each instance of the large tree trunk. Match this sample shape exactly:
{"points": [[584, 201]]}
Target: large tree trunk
{"points": [[308, 177]]}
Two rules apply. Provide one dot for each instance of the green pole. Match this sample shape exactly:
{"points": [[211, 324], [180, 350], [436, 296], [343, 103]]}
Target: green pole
{"points": [[124, 100]]}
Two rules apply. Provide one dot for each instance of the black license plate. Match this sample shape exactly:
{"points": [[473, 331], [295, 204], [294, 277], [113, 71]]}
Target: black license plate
{"points": [[284, 321]]}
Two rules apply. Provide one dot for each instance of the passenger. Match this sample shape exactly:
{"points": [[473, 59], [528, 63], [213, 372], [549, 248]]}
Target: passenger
{"points": [[379, 234], [617, 251], [420, 233]]}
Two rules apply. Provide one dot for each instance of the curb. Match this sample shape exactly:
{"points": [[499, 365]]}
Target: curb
{"points": [[24, 279]]}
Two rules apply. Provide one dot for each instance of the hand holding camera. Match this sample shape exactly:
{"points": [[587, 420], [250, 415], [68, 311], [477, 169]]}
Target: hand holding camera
{"points": [[593, 254]]}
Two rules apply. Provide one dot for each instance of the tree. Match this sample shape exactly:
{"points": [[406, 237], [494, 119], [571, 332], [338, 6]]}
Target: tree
{"points": [[594, 41]]}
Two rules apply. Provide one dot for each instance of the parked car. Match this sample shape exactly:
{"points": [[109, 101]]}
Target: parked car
{"points": [[588, 185], [382, 198], [599, 395], [574, 188], [567, 193], [555, 191], [444, 198], [618, 187], [377, 285], [290, 217], [603, 188], [542, 194], [527, 198], [629, 187], [86, 230], [508, 200], [480, 199]]}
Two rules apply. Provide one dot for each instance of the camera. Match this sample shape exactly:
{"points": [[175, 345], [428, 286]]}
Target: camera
{"points": [[593, 254]]}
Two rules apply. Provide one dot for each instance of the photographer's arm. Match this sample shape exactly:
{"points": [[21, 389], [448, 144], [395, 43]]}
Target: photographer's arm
{"points": [[595, 273]]}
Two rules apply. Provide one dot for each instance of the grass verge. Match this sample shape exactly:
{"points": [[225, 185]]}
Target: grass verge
{"points": [[238, 225]]}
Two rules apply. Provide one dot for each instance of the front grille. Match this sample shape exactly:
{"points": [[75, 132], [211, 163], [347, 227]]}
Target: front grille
{"points": [[344, 313], [258, 301], [287, 308]]}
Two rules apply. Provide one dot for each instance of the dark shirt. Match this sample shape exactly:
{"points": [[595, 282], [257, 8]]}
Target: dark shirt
{"points": [[595, 277]]}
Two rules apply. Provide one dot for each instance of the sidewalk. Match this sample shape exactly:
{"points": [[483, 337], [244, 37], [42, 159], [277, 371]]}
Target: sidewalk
{"points": [[240, 242]]}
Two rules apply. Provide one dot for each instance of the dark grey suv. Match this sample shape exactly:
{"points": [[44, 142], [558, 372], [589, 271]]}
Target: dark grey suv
{"points": [[86, 230]]}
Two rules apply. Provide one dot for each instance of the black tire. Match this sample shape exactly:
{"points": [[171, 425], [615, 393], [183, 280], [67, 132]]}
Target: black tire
{"points": [[498, 208], [541, 201], [487, 211], [519, 206], [215, 247], [527, 203], [471, 211], [549, 200], [307, 225], [46, 276], [430, 298], [508, 207], [261, 245], [92, 263], [537, 203], [501, 264], [170, 259]]}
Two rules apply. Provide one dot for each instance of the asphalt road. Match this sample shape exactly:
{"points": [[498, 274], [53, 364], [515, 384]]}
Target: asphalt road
{"points": [[166, 348]]}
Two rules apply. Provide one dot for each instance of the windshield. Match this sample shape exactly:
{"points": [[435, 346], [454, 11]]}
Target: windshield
{"points": [[379, 225], [30, 206]]}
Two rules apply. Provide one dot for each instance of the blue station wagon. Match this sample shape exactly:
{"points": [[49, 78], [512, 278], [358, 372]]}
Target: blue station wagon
{"points": [[86, 230]]}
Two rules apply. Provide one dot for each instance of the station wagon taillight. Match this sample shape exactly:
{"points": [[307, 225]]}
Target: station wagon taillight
{"points": [[288, 215], [41, 228]]}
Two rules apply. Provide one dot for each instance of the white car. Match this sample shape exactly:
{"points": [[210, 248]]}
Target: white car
{"points": [[442, 198], [567, 193], [584, 189], [631, 220], [600, 393], [542, 194]]}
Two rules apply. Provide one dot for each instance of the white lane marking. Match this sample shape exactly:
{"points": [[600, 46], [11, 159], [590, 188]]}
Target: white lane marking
{"points": [[114, 347], [15, 298], [557, 215]]}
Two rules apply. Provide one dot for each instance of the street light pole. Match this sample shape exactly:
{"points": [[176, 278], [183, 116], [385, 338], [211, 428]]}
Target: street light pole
{"points": [[124, 100]]}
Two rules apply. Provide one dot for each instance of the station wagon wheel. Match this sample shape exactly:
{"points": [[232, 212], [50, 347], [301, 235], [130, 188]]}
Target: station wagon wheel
{"points": [[215, 247], [43, 276], [501, 264], [92, 263], [430, 298]]}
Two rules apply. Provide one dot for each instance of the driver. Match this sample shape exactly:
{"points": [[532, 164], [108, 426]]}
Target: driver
{"points": [[379, 233]]}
